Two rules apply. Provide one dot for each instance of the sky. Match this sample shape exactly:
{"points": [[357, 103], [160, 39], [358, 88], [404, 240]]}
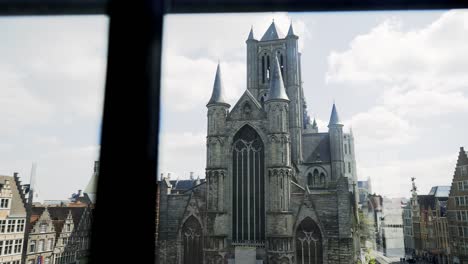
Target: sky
{"points": [[52, 73], [399, 79]]}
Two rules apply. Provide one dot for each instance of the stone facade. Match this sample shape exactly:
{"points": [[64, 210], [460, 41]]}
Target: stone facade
{"points": [[275, 187]]}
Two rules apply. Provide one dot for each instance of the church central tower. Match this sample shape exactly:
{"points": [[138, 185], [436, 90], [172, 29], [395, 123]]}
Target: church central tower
{"points": [[260, 59]]}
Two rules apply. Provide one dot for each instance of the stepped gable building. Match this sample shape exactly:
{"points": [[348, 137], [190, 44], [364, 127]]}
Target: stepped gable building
{"points": [[277, 190], [12, 219], [59, 234], [457, 209]]}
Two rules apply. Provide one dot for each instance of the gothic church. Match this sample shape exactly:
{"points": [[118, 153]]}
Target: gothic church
{"points": [[277, 190]]}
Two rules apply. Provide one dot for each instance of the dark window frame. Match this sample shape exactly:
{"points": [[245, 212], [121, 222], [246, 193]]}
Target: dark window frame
{"points": [[131, 102]]}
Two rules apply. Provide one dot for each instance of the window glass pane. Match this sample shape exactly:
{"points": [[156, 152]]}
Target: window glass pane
{"points": [[52, 75], [382, 54]]}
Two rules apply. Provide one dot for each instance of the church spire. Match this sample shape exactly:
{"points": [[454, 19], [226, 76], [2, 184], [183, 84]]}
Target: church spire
{"points": [[314, 124], [272, 33], [217, 97], [291, 31], [277, 90], [251, 35], [334, 118]]}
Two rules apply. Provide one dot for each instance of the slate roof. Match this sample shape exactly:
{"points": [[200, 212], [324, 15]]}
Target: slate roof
{"points": [[184, 184], [334, 118], [314, 145], [272, 33], [251, 35], [291, 31], [58, 215], [277, 91], [217, 97]]}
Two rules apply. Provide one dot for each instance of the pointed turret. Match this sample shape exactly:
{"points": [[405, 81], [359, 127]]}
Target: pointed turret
{"points": [[217, 97], [251, 35], [277, 90], [291, 31], [314, 124], [272, 33], [334, 118]]}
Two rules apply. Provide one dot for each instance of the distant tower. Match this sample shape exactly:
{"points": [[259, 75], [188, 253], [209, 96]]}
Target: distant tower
{"points": [[90, 189], [260, 59]]}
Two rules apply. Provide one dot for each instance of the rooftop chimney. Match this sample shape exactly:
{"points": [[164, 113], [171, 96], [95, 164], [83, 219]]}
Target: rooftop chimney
{"points": [[191, 175]]}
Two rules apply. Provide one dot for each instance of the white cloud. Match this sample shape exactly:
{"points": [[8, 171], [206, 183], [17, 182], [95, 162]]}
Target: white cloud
{"points": [[186, 147], [394, 177], [389, 54], [52, 74], [379, 127], [21, 108], [423, 71]]}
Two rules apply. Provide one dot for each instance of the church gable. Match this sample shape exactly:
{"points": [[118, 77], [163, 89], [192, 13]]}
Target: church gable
{"points": [[247, 108]]}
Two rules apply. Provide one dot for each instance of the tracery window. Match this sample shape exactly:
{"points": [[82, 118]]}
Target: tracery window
{"points": [[308, 243], [248, 203], [192, 238]]}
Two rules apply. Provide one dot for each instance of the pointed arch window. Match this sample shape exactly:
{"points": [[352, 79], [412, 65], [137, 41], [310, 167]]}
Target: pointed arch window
{"points": [[308, 243], [322, 179], [263, 68], [310, 179], [316, 177], [281, 63], [192, 239], [268, 68], [248, 201]]}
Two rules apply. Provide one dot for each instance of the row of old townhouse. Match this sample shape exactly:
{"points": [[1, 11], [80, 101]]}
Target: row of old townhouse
{"points": [[436, 224], [44, 233]]}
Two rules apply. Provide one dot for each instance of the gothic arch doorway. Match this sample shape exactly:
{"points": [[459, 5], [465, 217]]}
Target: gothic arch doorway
{"points": [[309, 246], [248, 195], [192, 240]]}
